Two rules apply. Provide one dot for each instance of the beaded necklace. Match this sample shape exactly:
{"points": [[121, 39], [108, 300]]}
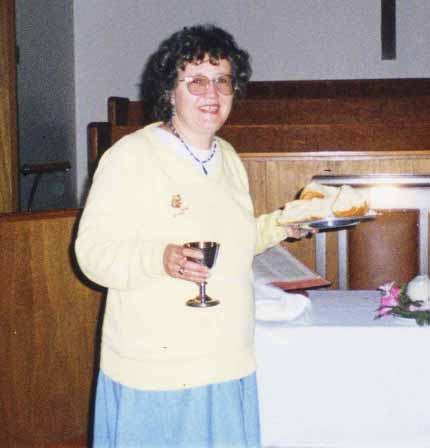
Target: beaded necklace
{"points": [[199, 161]]}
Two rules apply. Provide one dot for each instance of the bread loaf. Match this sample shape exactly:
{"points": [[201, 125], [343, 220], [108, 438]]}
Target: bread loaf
{"points": [[349, 202], [316, 190], [305, 210], [319, 201]]}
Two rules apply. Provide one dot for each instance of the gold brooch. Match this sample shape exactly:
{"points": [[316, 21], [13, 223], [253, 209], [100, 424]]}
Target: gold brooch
{"points": [[177, 203]]}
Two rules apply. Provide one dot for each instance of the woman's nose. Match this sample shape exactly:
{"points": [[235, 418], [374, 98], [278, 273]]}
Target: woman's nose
{"points": [[212, 89]]}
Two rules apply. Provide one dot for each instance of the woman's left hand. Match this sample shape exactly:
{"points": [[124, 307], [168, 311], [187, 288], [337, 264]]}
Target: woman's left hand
{"points": [[296, 232], [178, 263]]}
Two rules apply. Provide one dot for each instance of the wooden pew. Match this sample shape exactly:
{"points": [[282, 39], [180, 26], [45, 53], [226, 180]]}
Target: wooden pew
{"points": [[50, 319], [393, 137], [101, 136], [372, 123], [337, 88], [124, 112], [275, 102]]}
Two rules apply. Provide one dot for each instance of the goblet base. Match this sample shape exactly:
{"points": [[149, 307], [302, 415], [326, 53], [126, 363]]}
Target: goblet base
{"points": [[197, 303]]}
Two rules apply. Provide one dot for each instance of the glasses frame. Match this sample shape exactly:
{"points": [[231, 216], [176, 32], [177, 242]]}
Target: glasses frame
{"points": [[215, 81]]}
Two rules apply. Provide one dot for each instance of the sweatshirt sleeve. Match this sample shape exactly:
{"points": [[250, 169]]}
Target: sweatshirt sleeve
{"points": [[110, 249], [269, 232]]}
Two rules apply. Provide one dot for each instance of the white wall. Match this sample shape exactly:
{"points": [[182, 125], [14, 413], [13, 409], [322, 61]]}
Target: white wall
{"points": [[287, 39]]}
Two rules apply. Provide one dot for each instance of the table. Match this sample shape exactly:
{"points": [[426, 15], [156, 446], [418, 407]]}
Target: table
{"points": [[346, 380]]}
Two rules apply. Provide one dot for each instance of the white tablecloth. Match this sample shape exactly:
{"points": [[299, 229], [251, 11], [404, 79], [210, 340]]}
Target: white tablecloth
{"points": [[346, 380]]}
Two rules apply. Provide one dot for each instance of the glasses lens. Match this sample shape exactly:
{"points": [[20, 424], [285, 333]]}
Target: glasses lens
{"points": [[199, 85], [224, 84]]}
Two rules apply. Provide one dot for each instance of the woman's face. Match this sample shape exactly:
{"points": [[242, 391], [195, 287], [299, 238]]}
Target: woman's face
{"points": [[198, 117]]}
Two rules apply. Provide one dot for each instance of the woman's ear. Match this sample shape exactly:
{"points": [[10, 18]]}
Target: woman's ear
{"points": [[172, 99], [173, 103]]}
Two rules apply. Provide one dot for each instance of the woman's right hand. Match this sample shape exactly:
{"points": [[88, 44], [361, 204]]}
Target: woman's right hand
{"points": [[178, 264]]}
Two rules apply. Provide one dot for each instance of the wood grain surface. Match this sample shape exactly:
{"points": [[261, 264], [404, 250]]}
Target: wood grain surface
{"points": [[8, 131], [48, 329]]}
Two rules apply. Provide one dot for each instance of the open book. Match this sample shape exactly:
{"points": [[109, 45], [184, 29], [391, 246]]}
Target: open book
{"points": [[278, 267]]}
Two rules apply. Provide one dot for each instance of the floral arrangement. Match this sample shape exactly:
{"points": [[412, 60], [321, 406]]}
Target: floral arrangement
{"points": [[411, 300]]}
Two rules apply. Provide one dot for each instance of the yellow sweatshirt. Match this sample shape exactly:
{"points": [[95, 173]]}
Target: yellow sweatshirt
{"points": [[143, 197]]}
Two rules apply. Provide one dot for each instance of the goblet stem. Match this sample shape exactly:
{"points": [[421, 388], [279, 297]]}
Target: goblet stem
{"points": [[202, 292]]}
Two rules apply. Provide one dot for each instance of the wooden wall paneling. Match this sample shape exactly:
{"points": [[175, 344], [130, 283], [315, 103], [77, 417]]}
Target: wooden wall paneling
{"points": [[9, 193], [381, 165], [257, 185], [299, 172], [275, 197], [279, 179], [384, 250], [49, 322]]}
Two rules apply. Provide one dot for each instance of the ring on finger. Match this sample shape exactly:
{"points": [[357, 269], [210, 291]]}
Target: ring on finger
{"points": [[181, 270]]}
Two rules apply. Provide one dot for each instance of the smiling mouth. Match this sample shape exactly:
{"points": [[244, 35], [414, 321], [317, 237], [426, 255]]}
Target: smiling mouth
{"points": [[211, 108]]}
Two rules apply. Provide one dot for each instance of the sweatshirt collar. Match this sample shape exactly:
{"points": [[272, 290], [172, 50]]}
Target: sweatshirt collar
{"points": [[172, 164]]}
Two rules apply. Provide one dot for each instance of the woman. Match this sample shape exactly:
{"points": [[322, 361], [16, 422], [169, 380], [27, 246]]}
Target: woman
{"points": [[172, 375]]}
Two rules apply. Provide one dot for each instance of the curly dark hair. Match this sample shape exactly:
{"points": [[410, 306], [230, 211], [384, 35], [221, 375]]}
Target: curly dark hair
{"points": [[191, 44]]}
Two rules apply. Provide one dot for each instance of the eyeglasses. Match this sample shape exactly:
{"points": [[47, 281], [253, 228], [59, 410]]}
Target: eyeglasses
{"points": [[199, 84]]}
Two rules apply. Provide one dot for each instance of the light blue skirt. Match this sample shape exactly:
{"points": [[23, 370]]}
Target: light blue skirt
{"points": [[218, 415]]}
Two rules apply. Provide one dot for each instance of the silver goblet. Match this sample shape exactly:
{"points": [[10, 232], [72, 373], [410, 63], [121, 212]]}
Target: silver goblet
{"points": [[209, 250]]}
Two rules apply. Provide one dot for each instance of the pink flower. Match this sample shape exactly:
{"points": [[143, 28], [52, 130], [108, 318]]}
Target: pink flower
{"points": [[389, 298]]}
